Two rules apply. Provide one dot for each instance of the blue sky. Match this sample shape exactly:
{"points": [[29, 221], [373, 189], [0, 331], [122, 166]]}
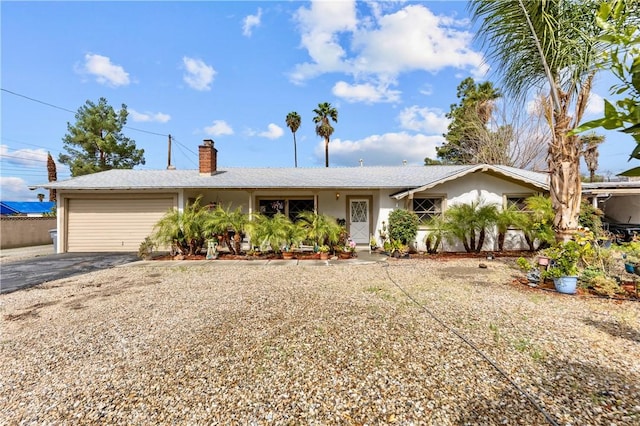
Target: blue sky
{"points": [[231, 71]]}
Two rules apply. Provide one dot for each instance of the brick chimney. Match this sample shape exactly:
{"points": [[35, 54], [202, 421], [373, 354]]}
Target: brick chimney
{"points": [[208, 157]]}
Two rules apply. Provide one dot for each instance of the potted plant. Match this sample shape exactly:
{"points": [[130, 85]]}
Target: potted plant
{"points": [[324, 252], [373, 243], [348, 249], [631, 257], [563, 268]]}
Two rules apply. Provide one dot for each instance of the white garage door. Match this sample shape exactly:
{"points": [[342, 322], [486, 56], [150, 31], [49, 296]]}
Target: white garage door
{"points": [[96, 225]]}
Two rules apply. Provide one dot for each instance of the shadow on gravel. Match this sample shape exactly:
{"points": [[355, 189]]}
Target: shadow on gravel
{"points": [[615, 329], [28, 273]]}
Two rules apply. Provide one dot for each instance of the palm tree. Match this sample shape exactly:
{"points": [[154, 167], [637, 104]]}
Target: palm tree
{"points": [[590, 152], [182, 230], [293, 122], [553, 43], [225, 222], [324, 113], [470, 222], [52, 174]]}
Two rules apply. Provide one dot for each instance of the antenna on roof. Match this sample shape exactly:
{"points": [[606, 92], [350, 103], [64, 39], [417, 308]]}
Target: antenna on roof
{"points": [[361, 162]]}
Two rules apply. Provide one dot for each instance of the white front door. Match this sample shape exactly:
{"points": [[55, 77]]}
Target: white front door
{"points": [[359, 220]]}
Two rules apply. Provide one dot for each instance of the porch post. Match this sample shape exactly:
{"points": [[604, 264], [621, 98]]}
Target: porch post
{"points": [[315, 202], [250, 205]]}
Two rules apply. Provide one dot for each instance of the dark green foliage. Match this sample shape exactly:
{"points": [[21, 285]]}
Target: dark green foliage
{"points": [[403, 226], [590, 217], [621, 28], [469, 119], [469, 223], [95, 143]]}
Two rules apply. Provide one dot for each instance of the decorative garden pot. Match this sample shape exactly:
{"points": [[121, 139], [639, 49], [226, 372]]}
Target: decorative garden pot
{"points": [[287, 255], [630, 267], [566, 285], [324, 255], [344, 255]]}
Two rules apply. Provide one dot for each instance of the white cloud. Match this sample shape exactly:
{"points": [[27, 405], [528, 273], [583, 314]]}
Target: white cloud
{"points": [[428, 120], [104, 71], [389, 149], [251, 21], [319, 26], [16, 189], [218, 128], [273, 132], [198, 75], [24, 157], [157, 117], [384, 44], [595, 104], [366, 92]]}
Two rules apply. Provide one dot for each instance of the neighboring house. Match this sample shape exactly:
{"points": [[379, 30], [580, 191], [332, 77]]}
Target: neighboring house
{"points": [[115, 210], [619, 201], [26, 208]]}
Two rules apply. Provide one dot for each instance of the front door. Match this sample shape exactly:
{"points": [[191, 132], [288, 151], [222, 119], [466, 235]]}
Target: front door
{"points": [[359, 220]]}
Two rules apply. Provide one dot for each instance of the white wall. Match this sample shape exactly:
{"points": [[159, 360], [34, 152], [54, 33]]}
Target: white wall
{"points": [[469, 189], [625, 209]]}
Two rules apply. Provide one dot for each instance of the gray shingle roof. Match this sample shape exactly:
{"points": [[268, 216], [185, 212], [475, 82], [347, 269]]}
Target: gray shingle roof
{"points": [[397, 177]]}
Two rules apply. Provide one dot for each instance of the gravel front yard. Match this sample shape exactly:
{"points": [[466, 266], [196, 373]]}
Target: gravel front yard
{"points": [[229, 343]]}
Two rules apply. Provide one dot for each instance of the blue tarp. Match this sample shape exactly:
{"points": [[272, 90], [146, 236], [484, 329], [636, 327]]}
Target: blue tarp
{"points": [[26, 207]]}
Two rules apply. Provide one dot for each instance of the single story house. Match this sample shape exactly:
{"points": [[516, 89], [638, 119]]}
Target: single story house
{"points": [[116, 209], [26, 208]]}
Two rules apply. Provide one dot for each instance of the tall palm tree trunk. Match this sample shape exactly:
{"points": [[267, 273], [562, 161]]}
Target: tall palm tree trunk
{"points": [[326, 152], [295, 151]]}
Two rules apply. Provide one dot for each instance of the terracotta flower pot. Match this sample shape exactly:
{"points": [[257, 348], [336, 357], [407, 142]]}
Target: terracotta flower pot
{"points": [[324, 255]]}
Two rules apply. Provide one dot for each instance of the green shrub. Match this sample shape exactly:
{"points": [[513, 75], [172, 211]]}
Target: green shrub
{"points": [[524, 264], [605, 286], [403, 226]]}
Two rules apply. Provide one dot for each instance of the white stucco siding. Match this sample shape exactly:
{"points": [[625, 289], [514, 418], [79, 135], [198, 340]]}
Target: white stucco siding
{"points": [[472, 188], [625, 209]]}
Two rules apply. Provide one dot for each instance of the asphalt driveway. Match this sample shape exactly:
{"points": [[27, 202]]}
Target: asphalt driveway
{"points": [[26, 273]]}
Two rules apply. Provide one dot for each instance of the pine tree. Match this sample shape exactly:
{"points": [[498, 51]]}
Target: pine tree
{"points": [[95, 142]]}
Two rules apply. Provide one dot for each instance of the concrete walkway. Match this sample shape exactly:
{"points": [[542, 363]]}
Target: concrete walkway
{"points": [[26, 252]]}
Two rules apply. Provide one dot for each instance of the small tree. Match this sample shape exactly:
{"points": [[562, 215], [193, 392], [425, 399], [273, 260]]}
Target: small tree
{"points": [[470, 222], [225, 222], [272, 232], [95, 143], [320, 228], [182, 230], [504, 219], [537, 223], [403, 226]]}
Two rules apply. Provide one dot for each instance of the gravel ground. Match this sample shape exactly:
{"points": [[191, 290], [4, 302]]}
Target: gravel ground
{"points": [[247, 344]]}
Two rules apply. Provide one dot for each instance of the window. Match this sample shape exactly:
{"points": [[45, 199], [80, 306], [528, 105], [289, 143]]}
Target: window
{"points": [[426, 208], [288, 207], [298, 206], [519, 202]]}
